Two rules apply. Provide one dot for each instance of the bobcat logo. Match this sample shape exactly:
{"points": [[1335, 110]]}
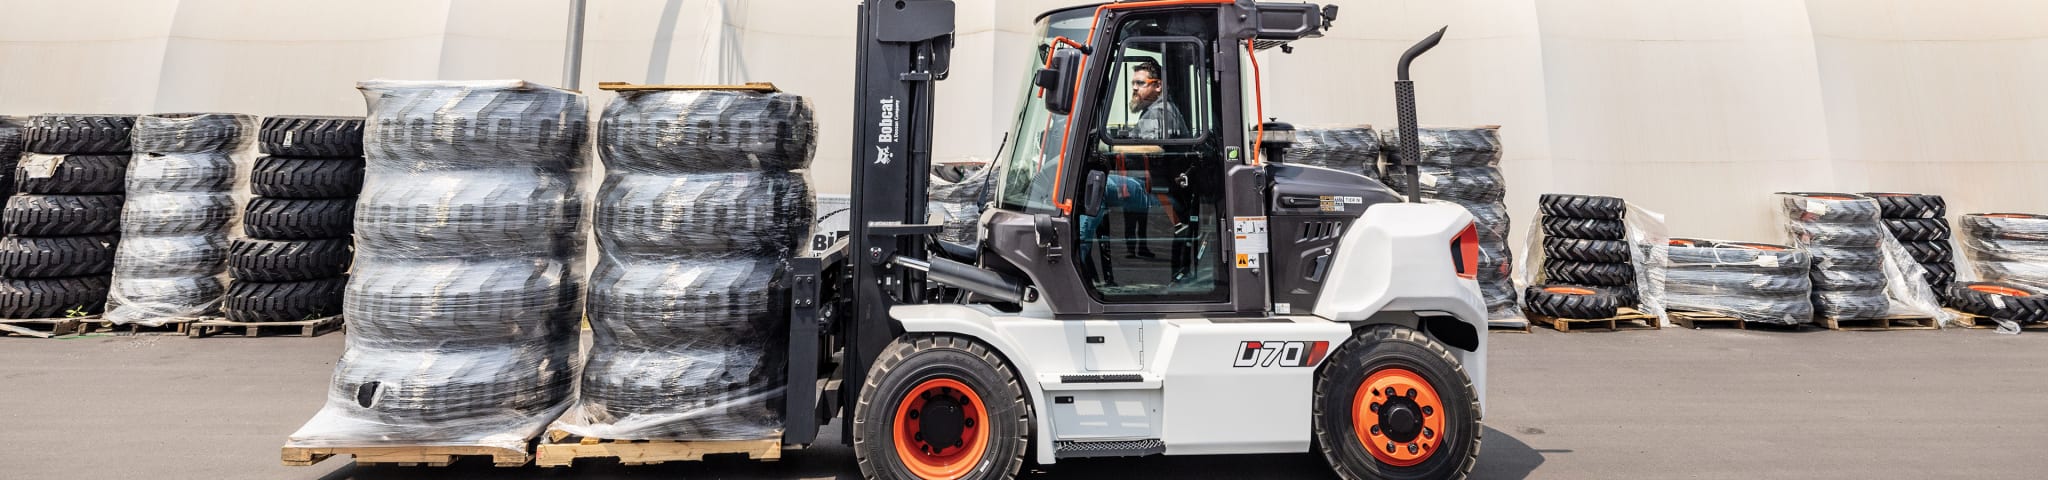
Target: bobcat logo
{"points": [[883, 155]]}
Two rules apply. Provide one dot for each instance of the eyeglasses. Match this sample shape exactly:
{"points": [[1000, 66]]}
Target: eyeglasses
{"points": [[1140, 83]]}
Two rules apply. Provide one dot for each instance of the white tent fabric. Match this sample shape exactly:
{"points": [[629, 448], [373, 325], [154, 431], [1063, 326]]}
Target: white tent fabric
{"points": [[1695, 109]]}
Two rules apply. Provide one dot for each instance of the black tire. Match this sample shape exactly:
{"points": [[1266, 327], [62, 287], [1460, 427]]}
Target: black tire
{"points": [[137, 299], [300, 177], [72, 133], [910, 363], [62, 215], [71, 174], [191, 132], [509, 216], [1807, 207], [1570, 301], [2004, 301], [1581, 206], [251, 301], [2032, 274], [1462, 184], [177, 213], [1586, 228], [316, 137], [1450, 147], [427, 304], [1928, 252], [418, 393], [1581, 250], [1909, 205], [56, 257], [1587, 273], [1492, 219], [1851, 304], [1845, 257], [258, 260], [299, 218], [429, 128], [1350, 149], [181, 173], [764, 213], [1939, 276], [1746, 257], [1387, 348], [11, 131], [659, 302], [669, 132], [1793, 309], [161, 256], [2006, 226], [1848, 278], [53, 297], [1734, 284], [741, 383], [1836, 234], [1918, 229]]}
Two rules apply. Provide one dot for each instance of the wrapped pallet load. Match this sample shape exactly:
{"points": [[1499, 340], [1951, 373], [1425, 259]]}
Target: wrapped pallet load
{"points": [[704, 200], [1859, 272], [1462, 166], [1586, 272], [467, 288], [1751, 282], [172, 263], [64, 225], [1350, 148], [957, 192], [2008, 252]]}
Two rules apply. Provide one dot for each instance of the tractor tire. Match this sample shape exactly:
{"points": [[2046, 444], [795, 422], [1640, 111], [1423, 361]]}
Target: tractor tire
{"points": [[1435, 396], [2003, 301], [312, 137], [1811, 207], [1939, 276], [1349, 149], [300, 177], [1581, 250], [32, 215], [181, 173], [71, 174], [1794, 309], [740, 382], [2030, 273], [954, 376], [1845, 257], [1836, 234], [57, 257], [1581, 206], [1461, 184], [191, 132], [258, 260], [177, 213], [764, 213], [426, 304], [1918, 229], [2006, 226], [1757, 258], [655, 303], [419, 393], [300, 219], [1910, 205], [1450, 147], [136, 299], [53, 297], [1584, 228], [707, 131], [505, 215], [10, 141], [1587, 273], [161, 256], [1851, 304], [1929, 252], [463, 130], [72, 133], [1734, 284], [1848, 278], [1567, 301], [250, 301]]}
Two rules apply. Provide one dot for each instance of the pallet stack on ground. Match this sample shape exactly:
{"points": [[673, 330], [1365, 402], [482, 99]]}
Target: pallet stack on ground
{"points": [[1746, 282], [291, 266], [1588, 273], [1462, 166], [63, 225], [172, 263]]}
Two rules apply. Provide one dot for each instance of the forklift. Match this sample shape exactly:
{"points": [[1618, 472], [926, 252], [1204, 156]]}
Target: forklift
{"points": [[1150, 278]]}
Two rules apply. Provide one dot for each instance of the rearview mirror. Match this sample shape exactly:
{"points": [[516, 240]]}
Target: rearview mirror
{"points": [[1057, 78]]}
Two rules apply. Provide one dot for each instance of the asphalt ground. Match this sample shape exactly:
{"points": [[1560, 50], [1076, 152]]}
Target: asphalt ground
{"points": [[1645, 404]]}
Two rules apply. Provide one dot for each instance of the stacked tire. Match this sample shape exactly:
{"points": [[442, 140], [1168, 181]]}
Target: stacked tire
{"points": [[10, 152], [174, 225], [1462, 166], [64, 224], [958, 192], [1354, 149], [1754, 282], [292, 260], [2008, 248], [1844, 233], [1920, 223], [704, 201], [1585, 258], [466, 291]]}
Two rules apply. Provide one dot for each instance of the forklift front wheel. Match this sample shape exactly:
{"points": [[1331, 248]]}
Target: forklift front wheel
{"points": [[1393, 403], [940, 407]]}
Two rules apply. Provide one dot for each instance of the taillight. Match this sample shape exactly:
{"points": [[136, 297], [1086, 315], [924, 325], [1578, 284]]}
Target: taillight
{"points": [[1465, 252]]}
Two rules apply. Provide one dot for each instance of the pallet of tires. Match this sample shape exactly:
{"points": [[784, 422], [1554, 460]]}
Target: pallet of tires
{"points": [[63, 226], [1920, 224], [1350, 148], [291, 262], [10, 151], [2007, 247], [1462, 166], [1753, 282], [1844, 234], [1586, 263], [957, 191], [179, 209], [466, 292], [704, 200]]}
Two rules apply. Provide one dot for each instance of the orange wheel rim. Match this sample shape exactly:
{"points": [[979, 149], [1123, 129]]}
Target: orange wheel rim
{"points": [[1682, 243], [2008, 215], [2001, 290], [1569, 291], [940, 429], [1398, 417], [1760, 246]]}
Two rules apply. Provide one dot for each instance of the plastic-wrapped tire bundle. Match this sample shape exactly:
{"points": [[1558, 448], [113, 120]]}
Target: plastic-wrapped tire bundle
{"points": [[62, 231], [2003, 301], [1460, 165], [180, 205], [1584, 251], [1354, 148], [444, 349], [703, 202], [2007, 247], [298, 253], [1842, 231], [10, 151], [1919, 223], [1755, 282], [957, 192]]}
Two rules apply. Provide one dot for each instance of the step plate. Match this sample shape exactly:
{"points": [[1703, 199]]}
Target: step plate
{"points": [[1115, 448]]}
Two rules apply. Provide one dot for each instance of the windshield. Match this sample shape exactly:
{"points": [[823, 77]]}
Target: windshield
{"points": [[1029, 171]]}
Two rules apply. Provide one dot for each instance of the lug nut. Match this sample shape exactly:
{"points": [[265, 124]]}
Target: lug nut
{"points": [[913, 414], [1427, 433], [1375, 429], [1413, 448], [969, 422], [1427, 411], [1390, 447]]}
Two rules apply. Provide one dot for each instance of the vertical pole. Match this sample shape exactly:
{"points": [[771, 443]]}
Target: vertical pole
{"points": [[572, 55]]}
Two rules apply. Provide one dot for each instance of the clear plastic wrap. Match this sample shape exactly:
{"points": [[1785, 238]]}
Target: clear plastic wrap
{"points": [[1858, 270], [10, 151], [1451, 146], [468, 281], [2007, 247], [701, 206], [178, 215], [957, 192], [1496, 258], [1351, 148]]}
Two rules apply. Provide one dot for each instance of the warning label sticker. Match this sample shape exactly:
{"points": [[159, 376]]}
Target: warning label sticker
{"points": [[1249, 240]]}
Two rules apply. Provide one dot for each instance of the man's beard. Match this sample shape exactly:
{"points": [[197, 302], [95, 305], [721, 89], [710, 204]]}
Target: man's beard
{"points": [[1139, 106]]}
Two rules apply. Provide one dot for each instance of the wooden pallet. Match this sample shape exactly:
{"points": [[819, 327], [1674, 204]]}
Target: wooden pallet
{"points": [[1895, 322], [302, 328], [1698, 320], [170, 327], [1525, 327], [763, 87], [43, 327], [407, 455], [1971, 320], [562, 449], [1627, 318]]}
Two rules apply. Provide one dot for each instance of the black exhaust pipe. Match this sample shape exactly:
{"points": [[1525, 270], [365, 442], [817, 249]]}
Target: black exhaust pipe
{"points": [[1404, 107]]}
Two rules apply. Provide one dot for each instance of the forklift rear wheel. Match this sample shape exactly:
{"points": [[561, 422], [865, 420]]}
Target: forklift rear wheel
{"points": [[1394, 404], [940, 407]]}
